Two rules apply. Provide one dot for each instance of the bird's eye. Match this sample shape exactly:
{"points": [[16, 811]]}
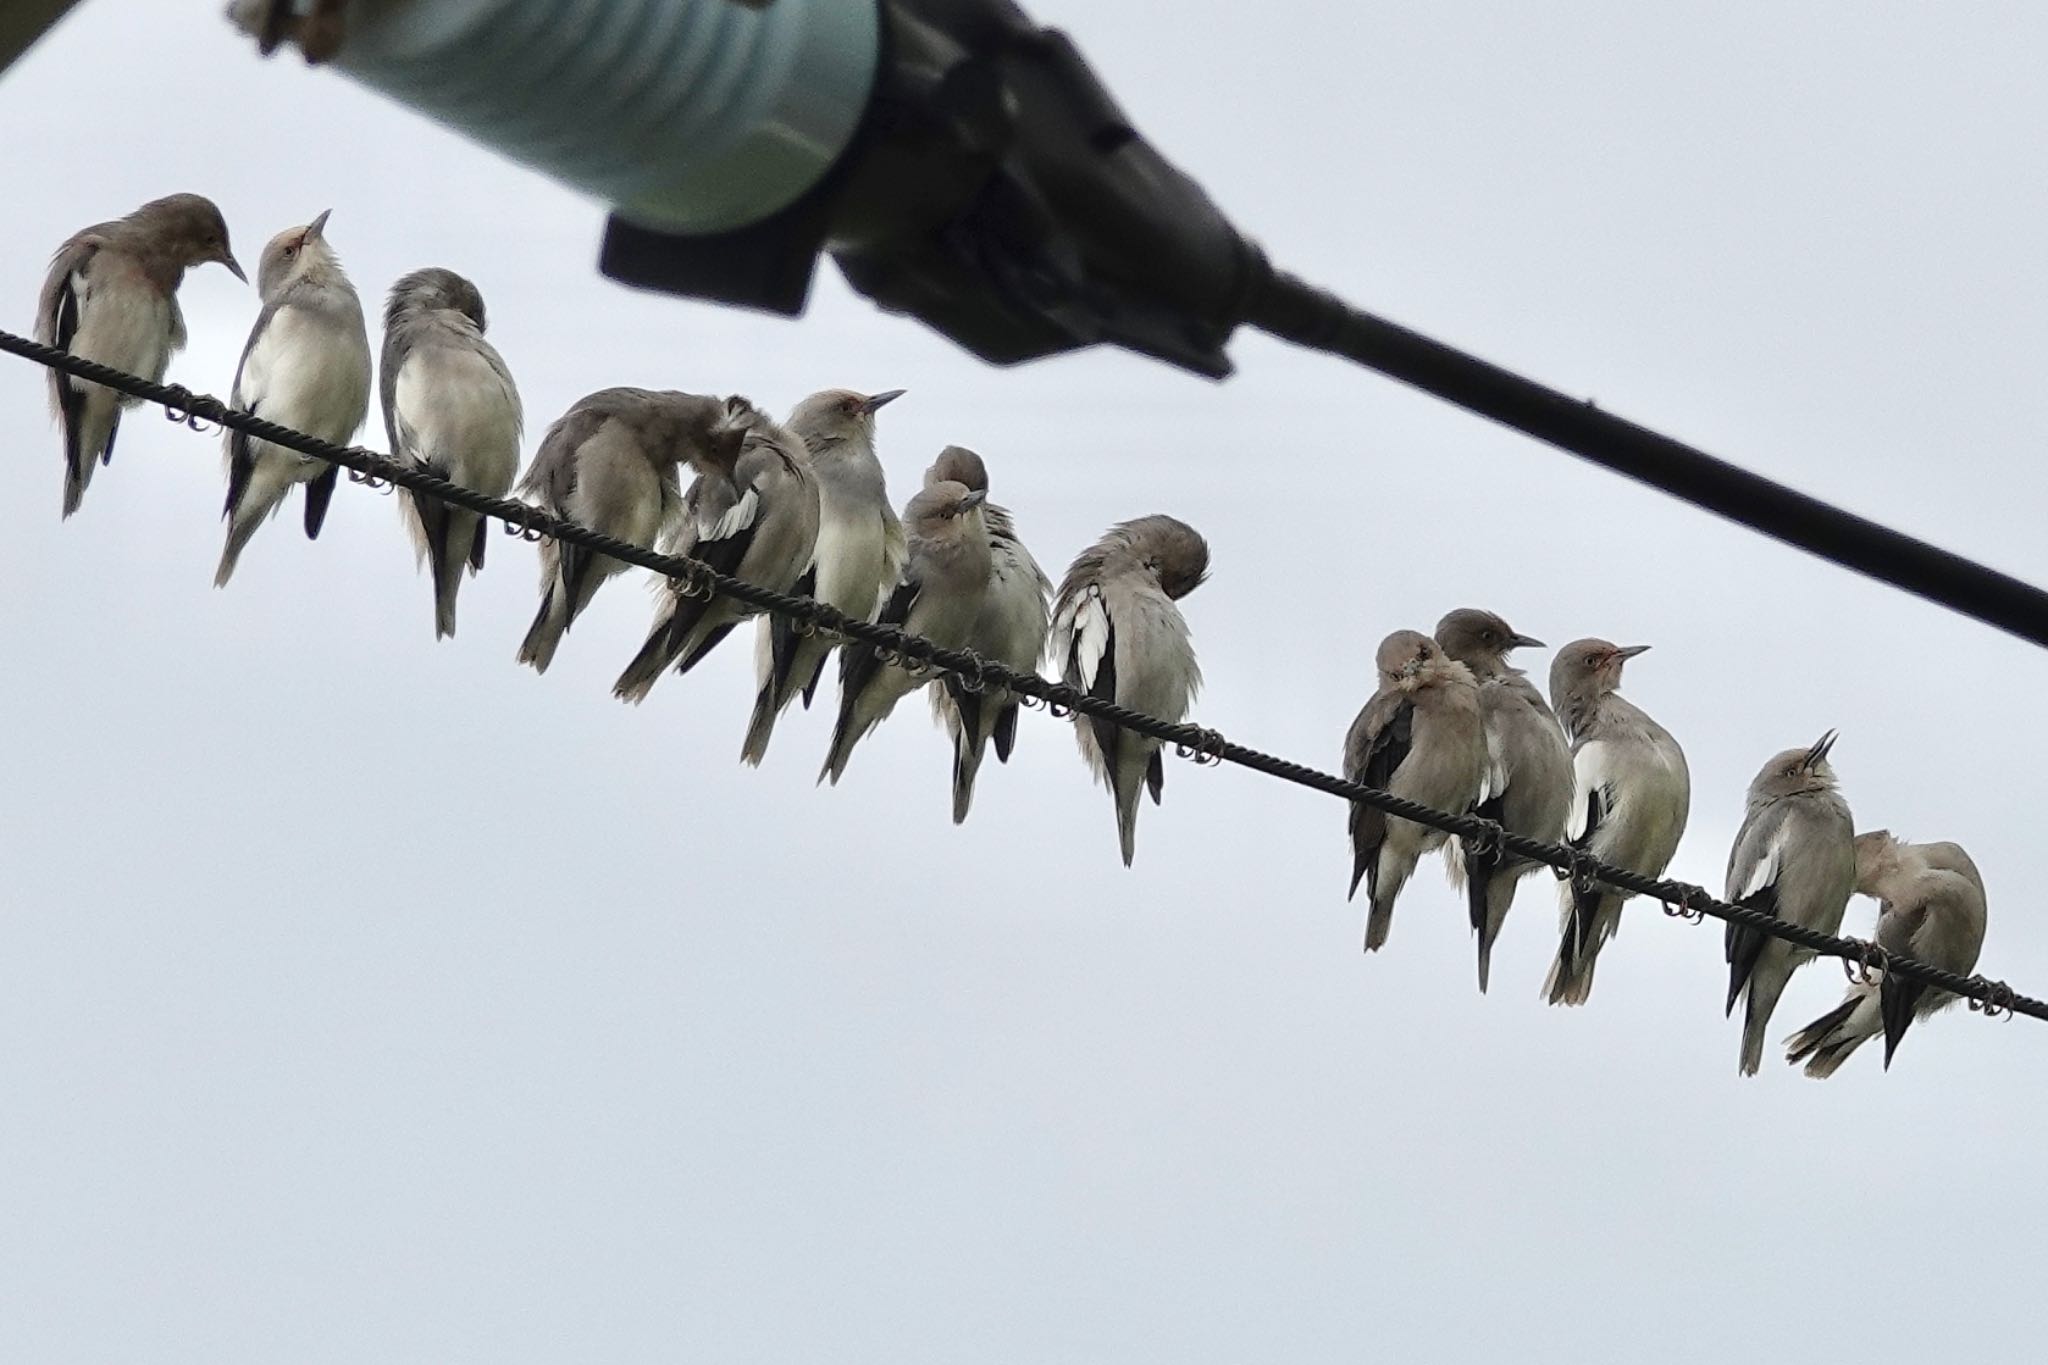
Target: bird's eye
{"points": [[290, 252]]}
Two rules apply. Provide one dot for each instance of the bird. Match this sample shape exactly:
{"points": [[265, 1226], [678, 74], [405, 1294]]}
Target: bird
{"points": [[1529, 781], [450, 409], [1932, 909], [859, 556], [1117, 635], [609, 464], [1419, 737], [306, 366], [1794, 859], [1631, 794], [753, 518], [945, 578], [1011, 631], [111, 296]]}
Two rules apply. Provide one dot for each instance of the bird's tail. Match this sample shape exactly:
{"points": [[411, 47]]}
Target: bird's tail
{"points": [[845, 734], [90, 418], [1127, 785], [545, 634], [1489, 901], [968, 746], [451, 538], [1389, 873], [241, 527], [76, 480], [664, 644], [1827, 1042], [760, 727], [1589, 918], [1766, 983]]}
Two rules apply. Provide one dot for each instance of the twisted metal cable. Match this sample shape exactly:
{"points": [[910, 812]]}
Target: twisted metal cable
{"points": [[1194, 742]]}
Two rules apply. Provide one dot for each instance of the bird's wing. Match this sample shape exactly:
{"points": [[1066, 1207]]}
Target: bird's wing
{"points": [[1756, 865], [1596, 791], [858, 664], [1091, 663]]}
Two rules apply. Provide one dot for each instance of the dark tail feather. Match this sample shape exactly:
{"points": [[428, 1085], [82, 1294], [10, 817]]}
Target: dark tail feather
{"points": [[709, 643], [760, 726], [1897, 998], [1005, 733], [966, 762], [811, 687], [538, 648], [649, 664], [476, 549], [1808, 1040], [1744, 945], [319, 493]]}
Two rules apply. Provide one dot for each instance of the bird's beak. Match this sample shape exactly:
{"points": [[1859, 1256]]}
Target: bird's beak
{"points": [[1627, 652], [883, 399], [1524, 642], [227, 259], [975, 498], [1819, 752], [318, 227]]}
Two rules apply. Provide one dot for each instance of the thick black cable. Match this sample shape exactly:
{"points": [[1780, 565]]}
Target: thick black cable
{"points": [[1299, 312], [978, 674]]}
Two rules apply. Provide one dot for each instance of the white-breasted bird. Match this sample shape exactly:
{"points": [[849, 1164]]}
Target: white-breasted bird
{"points": [[1118, 634], [1011, 630], [609, 463], [450, 408], [1794, 859], [754, 518], [945, 578], [1631, 795], [1529, 768], [859, 555], [111, 296], [306, 366], [1419, 737], [1931, 908]]}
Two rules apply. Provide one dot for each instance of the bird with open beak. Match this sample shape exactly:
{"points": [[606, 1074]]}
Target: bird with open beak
{"points": [[306, 366], [111, 296], [1420, 737], [1794, 859]]}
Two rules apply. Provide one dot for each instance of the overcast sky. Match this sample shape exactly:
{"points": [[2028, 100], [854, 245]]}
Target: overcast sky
{"points": [[364, 998]]}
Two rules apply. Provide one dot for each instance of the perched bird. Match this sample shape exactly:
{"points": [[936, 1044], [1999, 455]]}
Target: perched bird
{"points": [[1931, 908], [451, 409], [307, 366], [1529, 768], [859, 553], [112, 296], [945, 578], [1795, 860], [1117, 635], [609, 463], [755, 518], [1419, 737], [1010, 630], [1631, 795]]}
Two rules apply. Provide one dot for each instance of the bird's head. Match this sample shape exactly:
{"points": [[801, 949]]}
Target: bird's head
{"points": [[192, 230], [835, 415], [293, 254], [1796, 772], [434, 289], [1480, 639]]}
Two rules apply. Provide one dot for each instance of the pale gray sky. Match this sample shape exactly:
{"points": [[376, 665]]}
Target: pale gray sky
{"points": [[368, 999]]}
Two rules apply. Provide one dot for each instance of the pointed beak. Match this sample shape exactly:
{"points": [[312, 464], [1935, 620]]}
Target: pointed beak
{"points": [[1524, 642], [884, 399], [1819, 752], [234, 267], [975, 498], [318, 227], [1630, 651]]}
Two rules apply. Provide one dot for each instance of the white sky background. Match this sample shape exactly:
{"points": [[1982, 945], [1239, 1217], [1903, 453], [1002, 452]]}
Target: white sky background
{"points": [[368, 999]]}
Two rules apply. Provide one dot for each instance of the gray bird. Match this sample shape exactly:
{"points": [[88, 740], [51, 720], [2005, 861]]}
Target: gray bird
{"points": [[1419, 737], [859, 553], [112, 296], [307, 367], [945, 578], [755, 518], [450, 408], [1010, 630], [1931, 908], [1631, 795], [609, 464], [1794, 859], [1117, 635], [1529, 777]]}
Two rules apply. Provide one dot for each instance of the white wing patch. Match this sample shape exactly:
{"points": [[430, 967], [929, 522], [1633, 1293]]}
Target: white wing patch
{"points": [[1767, 868], [740, 518], [1592, 770], [1091, 636]]}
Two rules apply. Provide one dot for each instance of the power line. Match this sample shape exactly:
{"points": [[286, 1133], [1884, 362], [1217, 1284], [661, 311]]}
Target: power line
{"points": [[1299, 312], [694, 578]]}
